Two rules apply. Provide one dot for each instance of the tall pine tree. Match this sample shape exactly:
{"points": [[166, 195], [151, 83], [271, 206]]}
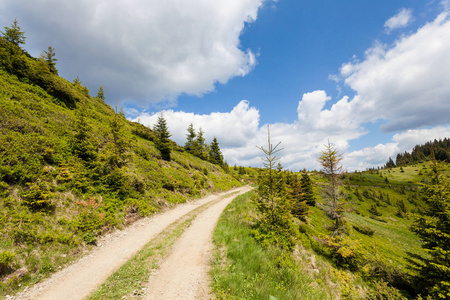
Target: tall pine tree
{"points": [[433, 228], [14, 34], [307, 189], [274, 225], [330, 159], [215, 155], [163, 142], [190, 144], [201, 148], [82, 143]]}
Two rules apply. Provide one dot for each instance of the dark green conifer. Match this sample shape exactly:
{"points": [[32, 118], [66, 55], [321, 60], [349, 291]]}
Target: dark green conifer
{"points": [[307, 189], [49, 57], [14, 34], [274, 225], [100, 94], [82, 144], [300, 209], [163, 142], [190, 144], [119, 141], [215, 155], [201, 149], [433, 228], [335, 208]]}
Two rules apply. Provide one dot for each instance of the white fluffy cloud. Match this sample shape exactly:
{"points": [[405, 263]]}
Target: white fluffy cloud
{"points": [[233, 129], [402, 19], [239, 131], [403, 86], [142, 50]]}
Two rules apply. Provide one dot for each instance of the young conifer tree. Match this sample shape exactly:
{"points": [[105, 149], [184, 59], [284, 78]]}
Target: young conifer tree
{"points": [[82, 143], [101, 94], [300, 209], [274, 225], [49, 57], [14, 34], [163, 142], [215, 155], [119, 142], [330, 160], [190, 144], [307, 189], [201, 148], [433, 228]]}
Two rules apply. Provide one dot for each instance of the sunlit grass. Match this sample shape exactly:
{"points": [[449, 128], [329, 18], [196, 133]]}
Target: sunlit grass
{"points": [[242, 269]]}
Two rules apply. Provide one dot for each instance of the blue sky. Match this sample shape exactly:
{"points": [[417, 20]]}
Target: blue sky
{"points": [[373, 77]]}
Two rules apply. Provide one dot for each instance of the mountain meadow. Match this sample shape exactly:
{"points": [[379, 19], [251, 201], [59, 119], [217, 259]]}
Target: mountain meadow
{"points": [[72, 169]]}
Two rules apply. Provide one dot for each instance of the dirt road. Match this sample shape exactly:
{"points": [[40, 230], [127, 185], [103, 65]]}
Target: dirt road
{"points": [[190, 257]]}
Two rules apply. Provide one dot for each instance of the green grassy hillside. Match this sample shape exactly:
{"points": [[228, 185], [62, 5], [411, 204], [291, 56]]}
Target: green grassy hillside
{"points": [[368, 262], [72, 168]]}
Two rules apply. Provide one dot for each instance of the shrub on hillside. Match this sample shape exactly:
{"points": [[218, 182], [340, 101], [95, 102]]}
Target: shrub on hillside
{"points": [[38, 196], [6, 259], [364, 230], [381, 291], [345, 252]]}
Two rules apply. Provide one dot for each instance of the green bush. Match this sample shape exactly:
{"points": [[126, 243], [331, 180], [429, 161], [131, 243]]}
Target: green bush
{"points": [[6, 259], [345, 252], [382, 291], [364, 230], [38, 196]]}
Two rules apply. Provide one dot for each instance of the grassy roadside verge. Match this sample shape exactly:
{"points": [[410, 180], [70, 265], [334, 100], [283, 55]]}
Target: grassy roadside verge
{"points": [[242, 269], [129, 280]]}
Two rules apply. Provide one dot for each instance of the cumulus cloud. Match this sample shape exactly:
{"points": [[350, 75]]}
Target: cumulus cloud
{"points": [[406, 84], [239, 131], [404, 87], [143, 50], [400, 20], [233, 129]]}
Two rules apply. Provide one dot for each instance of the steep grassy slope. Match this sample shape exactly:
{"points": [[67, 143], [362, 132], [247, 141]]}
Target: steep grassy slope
{"points": [[71, 168]]}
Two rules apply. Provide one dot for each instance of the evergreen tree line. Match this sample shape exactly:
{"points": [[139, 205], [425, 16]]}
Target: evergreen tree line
{"points": [[195, 143], [438, 149]]}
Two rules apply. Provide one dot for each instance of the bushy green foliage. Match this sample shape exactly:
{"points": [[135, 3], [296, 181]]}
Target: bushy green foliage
{"points": [[345, 252], [274, 224], [433, 227], [215, 155], [307, 189], [300, 208], [382, 291], [162, 142], [364, 230], [82, 144], [6, 258], [335, 207], [38, 196], [14, 33]]}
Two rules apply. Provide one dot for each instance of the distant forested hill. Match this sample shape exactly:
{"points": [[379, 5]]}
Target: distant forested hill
{"points": [[438, 149]]}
